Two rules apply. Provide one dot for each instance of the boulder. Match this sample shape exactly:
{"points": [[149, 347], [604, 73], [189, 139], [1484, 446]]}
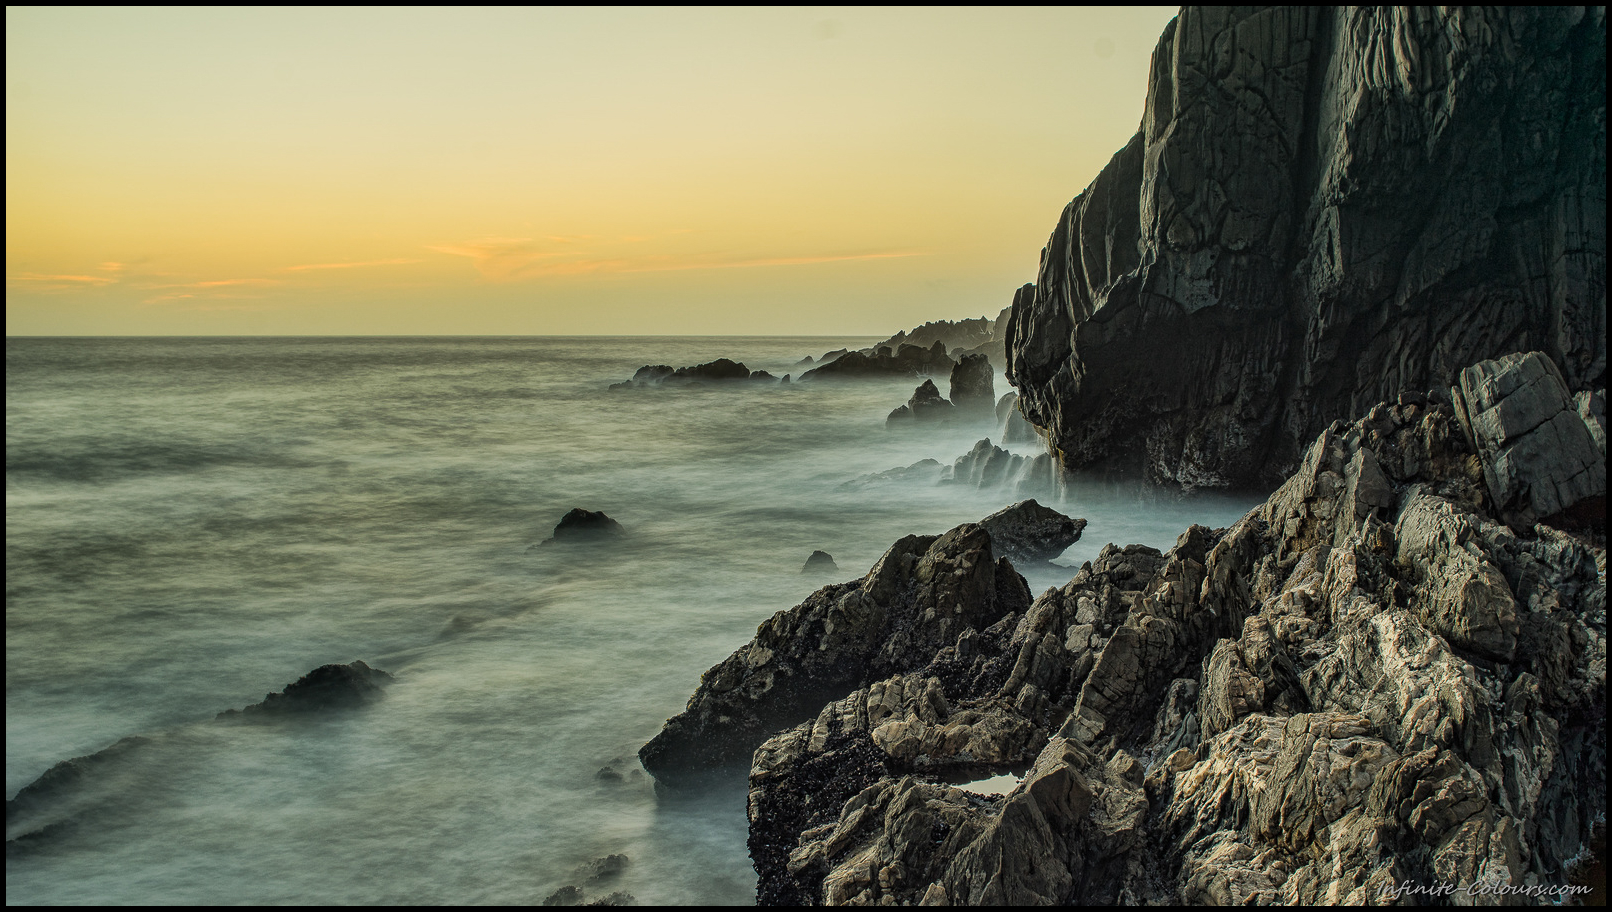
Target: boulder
{"points": [[579, 525], [1539, 452], [820, 562], [1031, 533], [971, 388]]}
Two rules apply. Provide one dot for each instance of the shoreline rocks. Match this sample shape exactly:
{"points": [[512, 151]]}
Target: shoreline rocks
{"points": [[1370, 678]]}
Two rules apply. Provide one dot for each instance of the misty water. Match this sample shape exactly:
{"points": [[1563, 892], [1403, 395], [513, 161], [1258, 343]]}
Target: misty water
{"points": [[192, 523]]}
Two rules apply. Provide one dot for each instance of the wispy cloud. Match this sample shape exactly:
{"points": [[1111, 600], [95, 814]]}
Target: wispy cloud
{"points": [[401, 261], [522, 258], [41, 280], [210, 290]]}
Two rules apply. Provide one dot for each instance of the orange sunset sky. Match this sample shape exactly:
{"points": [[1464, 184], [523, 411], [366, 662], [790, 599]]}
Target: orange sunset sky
{"points": [[548, 171]]}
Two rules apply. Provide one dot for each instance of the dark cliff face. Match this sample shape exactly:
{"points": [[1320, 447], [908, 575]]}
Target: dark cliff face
{"points": [[1323, 208]]}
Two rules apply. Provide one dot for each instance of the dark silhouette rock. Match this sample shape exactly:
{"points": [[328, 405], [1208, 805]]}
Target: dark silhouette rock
{"points": [[971, 387], [762, 376], [581, 525], [905, 361], [1030, 533], [900, 416], [719, 371], [820, 562], [1324, 207], [325, 688], [564, 896], [927, 404]]}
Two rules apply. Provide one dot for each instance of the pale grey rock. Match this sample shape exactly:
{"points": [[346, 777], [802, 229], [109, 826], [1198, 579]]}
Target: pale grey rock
{"points": [[1539, 451]]}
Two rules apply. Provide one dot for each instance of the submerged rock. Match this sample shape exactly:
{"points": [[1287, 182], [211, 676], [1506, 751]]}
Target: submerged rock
{"points": [[820, 562], [719, 371], [581, 525], [326, 687], [1367, 680], [924, 471]]}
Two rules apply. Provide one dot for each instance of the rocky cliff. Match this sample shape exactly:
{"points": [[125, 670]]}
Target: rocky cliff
{"points": [[1367, 682], [1386, 675], [1323, 208]]}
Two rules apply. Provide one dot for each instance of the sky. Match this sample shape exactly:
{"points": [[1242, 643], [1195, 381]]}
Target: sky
{"points": [[816, 171]]}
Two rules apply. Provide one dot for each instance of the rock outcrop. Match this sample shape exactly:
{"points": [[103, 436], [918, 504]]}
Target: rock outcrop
{"points": [[989, 466], [925, 592], [903, 361], [971, 387], [1324, 207], [1369, 680], [581, 526]]}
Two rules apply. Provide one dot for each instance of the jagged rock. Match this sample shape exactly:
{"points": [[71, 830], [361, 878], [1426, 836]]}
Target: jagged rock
{"points": [[988, 466], [820, 562], [1367, 680], [1324, 207], [1540, 454], [923, 594], [906, 361], [951, 333], [971, 390], [901, 416], [805, 362], [927, 404], [762, 376], [924, 471], [618, 898], [326, 687], [1029, 532], [581, 525]]}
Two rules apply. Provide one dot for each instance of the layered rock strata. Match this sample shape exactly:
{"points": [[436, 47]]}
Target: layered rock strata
{"points": [[1323, 208], [1371, 679]]}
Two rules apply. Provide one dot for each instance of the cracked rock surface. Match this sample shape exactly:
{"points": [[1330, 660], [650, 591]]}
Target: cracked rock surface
{"points": [[1322, 208]]}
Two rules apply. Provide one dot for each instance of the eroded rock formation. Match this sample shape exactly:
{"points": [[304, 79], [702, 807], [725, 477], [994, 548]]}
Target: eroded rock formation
{"points": [[1372, 678], [1323, 208], [1369, 667]]}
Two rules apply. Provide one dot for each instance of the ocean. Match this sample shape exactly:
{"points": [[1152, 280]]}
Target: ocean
{"points": [[192, 523]]}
